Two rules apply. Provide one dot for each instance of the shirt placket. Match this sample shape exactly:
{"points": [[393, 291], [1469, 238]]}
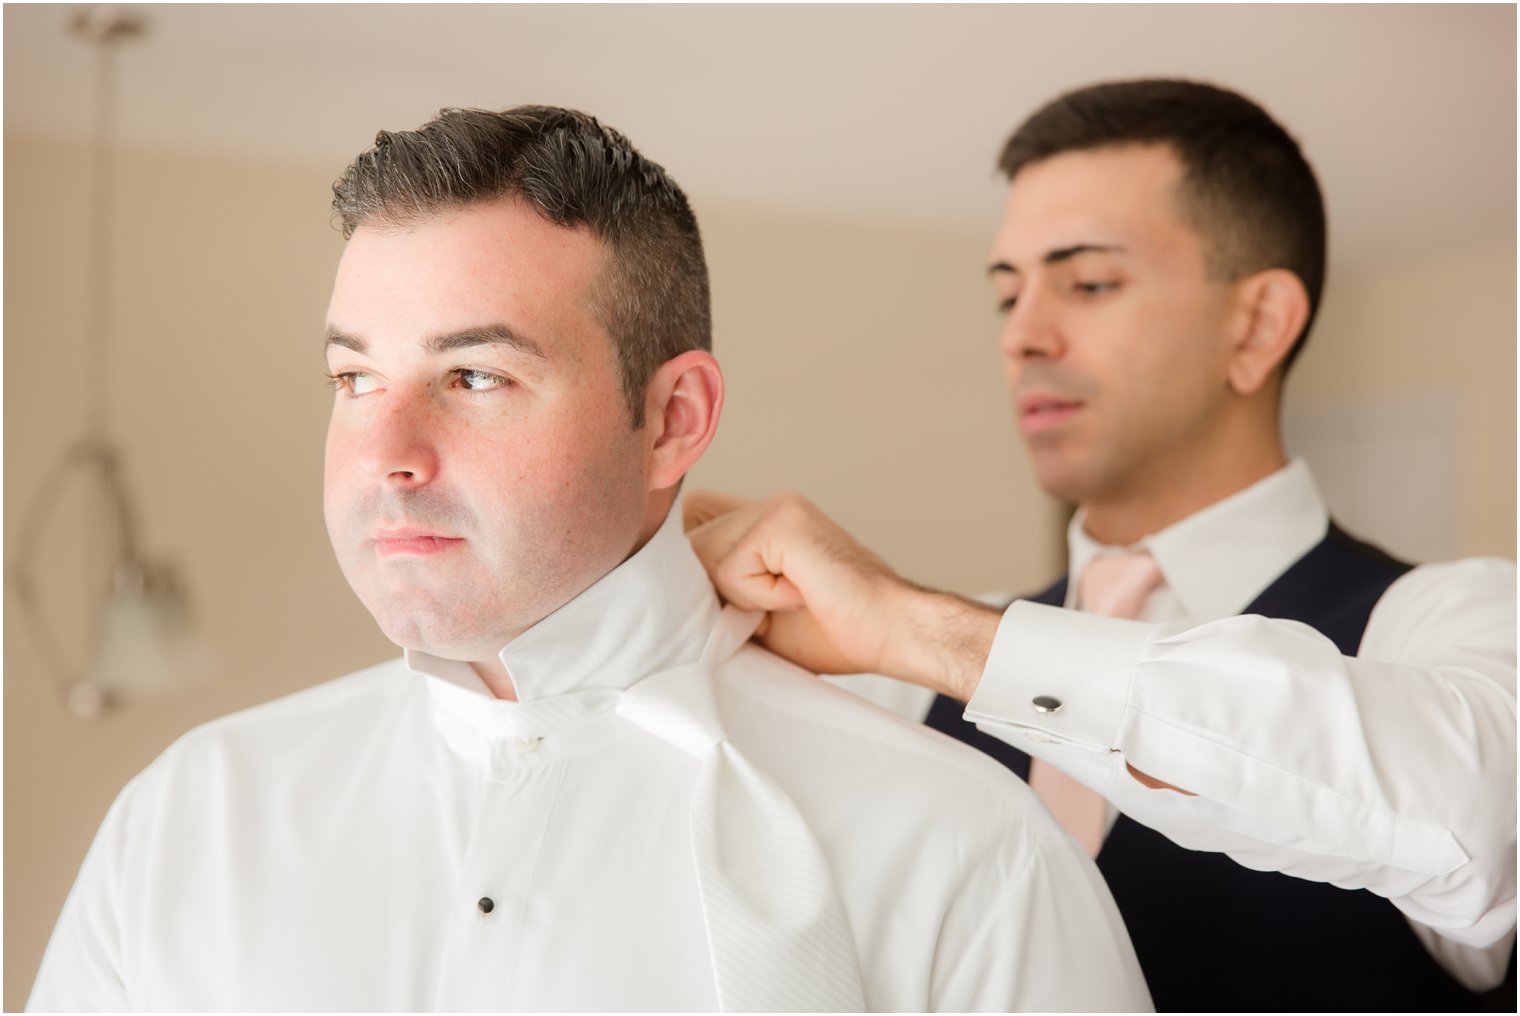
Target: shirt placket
{"points": [[489, 903]]}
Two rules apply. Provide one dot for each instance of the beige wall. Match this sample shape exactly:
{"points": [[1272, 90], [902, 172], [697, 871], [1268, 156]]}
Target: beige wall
{"points": [[219, 403], [861, 368], [1433, 334]]}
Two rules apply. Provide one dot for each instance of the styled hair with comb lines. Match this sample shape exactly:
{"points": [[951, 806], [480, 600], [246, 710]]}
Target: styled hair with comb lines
{"points": [[652, 294], [1246, 187]]}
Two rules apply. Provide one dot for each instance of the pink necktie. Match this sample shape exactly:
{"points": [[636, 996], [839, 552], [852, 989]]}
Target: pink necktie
{"points": [[1116, 585]]}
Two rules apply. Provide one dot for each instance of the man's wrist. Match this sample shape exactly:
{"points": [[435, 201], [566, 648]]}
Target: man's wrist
{"points": [[943, 643]]}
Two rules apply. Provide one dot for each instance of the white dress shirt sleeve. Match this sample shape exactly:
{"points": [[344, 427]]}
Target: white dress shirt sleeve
{"points": [[82, 969], [1392, 771]]}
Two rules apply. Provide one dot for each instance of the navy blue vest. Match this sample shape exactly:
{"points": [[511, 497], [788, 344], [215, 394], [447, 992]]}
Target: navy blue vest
{"points": [[1212, 935]]}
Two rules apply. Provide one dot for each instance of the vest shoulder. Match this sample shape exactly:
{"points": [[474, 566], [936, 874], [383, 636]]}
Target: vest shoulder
{"points": [[1341, 545]]}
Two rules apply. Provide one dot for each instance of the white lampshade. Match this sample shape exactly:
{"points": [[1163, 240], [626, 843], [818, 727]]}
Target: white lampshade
{"points": [[148, 643]]}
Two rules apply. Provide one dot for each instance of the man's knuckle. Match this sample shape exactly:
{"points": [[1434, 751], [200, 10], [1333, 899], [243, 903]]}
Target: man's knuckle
{"points": [[792, 508]]}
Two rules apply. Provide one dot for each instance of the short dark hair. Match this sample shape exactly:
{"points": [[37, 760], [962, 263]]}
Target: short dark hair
{"points": [[652, 294], [1246, 186]]}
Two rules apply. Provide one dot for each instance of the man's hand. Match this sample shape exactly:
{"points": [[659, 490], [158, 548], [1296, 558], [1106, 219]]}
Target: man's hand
{"points": [[834, 607]]}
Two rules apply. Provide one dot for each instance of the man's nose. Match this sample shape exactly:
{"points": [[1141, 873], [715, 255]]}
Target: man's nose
{"points": [[400, 445], [1031, 329]]}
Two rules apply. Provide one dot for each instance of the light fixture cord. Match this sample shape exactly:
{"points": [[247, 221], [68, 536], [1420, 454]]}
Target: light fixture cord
{"points": [[99, 451], [93, 454], [102, 218]]}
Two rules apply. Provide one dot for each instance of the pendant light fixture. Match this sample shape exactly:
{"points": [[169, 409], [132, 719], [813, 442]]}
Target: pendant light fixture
{"points": [[138, 636]]}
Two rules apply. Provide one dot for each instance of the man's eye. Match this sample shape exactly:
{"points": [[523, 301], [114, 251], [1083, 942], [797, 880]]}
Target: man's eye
{"points": [[1006, 303], [1094, 288], [480, 380], [353, 382]]}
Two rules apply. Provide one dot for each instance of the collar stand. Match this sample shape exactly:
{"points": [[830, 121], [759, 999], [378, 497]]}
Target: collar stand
{"points": [[650, 613]]}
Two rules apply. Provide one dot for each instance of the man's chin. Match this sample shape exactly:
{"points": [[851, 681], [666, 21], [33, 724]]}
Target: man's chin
{"points": [[1061, 478], [436, 637]]}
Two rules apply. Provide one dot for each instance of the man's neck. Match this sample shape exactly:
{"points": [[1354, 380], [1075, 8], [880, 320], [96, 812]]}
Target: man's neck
{"points": [[1161, 499], [495, 677]]}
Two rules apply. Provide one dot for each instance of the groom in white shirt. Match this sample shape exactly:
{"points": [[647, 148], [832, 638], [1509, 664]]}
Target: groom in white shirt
{"points": [[581, 789]]}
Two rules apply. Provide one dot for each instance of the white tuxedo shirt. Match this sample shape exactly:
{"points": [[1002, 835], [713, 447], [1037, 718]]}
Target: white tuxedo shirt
{"points": [[400, 840]]}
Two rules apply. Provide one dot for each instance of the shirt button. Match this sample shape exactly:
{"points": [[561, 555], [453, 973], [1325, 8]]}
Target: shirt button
{"points": [[1047, 704], [486, 904], [527, 744]]}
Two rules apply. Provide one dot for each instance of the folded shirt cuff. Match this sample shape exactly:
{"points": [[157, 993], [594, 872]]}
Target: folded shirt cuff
{"points": [[1061, 675]]}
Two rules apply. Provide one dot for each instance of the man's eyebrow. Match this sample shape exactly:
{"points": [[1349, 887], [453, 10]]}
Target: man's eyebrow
{"points": [[1060, 254], [484, 335], [344, 340]]}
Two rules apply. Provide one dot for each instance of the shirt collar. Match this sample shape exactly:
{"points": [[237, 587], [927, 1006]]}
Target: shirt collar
{"points": [[650, 613], [1216, 561]]}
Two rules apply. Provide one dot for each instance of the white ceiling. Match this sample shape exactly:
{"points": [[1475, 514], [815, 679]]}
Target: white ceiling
{"points": [[1407, 112]]}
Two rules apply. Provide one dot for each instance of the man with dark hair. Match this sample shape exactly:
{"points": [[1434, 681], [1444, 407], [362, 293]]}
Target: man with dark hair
{"points": [[1159, 264], [581, 789], [1246, 189], [652, 298]]}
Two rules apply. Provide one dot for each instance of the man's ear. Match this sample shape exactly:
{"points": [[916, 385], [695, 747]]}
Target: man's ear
{"points": [[681, 409], [1273, 306]]}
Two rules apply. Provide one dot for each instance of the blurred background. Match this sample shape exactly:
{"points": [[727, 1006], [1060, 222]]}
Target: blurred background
{"points": [[841, 162]]}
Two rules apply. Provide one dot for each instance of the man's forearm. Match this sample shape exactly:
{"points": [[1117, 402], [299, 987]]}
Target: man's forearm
{"points": [[942, 641], [1399, 779]]}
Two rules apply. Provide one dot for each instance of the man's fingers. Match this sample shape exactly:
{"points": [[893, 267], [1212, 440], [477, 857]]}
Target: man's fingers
{"points": [[739, 567], [702, 506], [797, 636], [748, 583], [772, 555], [1153, 783], [744, 564], [714, 542]]}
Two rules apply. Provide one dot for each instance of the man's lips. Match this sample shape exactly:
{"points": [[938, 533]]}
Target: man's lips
{"points": [[412, 541], [1039, 413]]}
